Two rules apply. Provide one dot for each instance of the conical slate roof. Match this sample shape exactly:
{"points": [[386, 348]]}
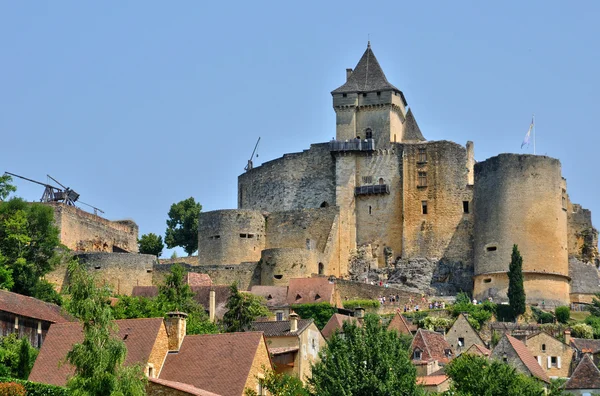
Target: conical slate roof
{"points": [[366, 77], [412, 132]]}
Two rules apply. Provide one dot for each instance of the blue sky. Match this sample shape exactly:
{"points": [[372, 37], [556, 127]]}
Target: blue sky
{"points": [[140, 104]]}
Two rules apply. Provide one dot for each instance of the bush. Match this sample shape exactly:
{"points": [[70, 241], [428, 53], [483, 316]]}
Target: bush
{"points": [[594, 322], [320, 312], [542, 316], [433, 323], [352, 304], [12, 389], [563, 314], [582, 330], [35, 388]]}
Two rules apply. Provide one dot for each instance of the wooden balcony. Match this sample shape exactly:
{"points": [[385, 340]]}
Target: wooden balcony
{"points": [[372, 189]]}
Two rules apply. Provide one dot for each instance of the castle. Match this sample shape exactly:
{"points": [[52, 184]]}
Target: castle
{"points": [[422, 209]]}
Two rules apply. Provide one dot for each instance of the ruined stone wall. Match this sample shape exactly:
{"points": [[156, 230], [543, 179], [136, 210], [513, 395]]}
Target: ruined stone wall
{"points": [[446, 230], [230, 236], [192, 260], [245, 274], [582, 236], [86, 232], [294, 181], [584, 278]]}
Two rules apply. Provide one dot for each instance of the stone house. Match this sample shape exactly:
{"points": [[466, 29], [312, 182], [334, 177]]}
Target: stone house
{"points": [[584, 346], [512, 351], [181, 363], [553, 355], [585, 379], [434, 383], [28, 317], [336, 323], [294, 344], [275, 299], [461, 336], [478, 350], [401, 325], [429, 352]]}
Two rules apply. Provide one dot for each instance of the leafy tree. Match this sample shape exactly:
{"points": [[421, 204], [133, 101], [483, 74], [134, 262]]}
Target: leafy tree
{"points": [[594, 322], [151, 244], [364, 361], [6, 187], [242, 310], [280, 385], [475, 375], [320, 312], [582, 330], [98, 359], [28, 242], [182, 225], [478, 314], [16, 357], [516, 291], [594, 307], [563, 314]]}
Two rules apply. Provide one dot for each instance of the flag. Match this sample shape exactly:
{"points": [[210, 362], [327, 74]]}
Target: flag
{"points": [[527, 135]]}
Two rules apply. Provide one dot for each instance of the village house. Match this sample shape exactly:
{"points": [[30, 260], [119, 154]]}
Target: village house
{"points": [[585, 379], [336, 324], [313, 290], [435, 383], [164, 351], [478, 350], [28, 317], [553, 355], [513, 352], [294, 344], [584, 346], [461, 336], [429, 352], [401, 325], [275, 300]]}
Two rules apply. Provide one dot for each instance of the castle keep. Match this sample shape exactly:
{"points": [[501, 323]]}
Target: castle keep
{"points": [[422, 211]]}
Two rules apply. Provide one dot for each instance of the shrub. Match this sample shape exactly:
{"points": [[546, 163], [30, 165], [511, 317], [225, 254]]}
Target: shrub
{"points": [[12, 389], [352, 304], [594, 321], [563, 314], [582, 330], [320, 312], [433, 323], [36, 389], [542, 316]]}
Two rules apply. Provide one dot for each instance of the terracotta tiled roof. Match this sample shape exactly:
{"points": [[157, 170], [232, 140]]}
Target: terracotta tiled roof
{"points": [[585, 345], [188, 389], [585, 376], [479, 350], [311, 290], [282, 350], [196, 279], [275, 296], [432, 380], [433, 346], [335, 323], [139, 336], [401, 325], [219, 363], [30, 307], [280, 328], [527, 358]]}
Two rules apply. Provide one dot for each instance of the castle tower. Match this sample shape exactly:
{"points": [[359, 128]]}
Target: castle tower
{"points": [[367, 106], [521, 199]]}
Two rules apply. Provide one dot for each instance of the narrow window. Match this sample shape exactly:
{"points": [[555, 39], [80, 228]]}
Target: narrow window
{"points": [[308, 244], [370, 209], [543, 347], [150, 372], [369, 133], [553, 361], [321, 269], [424, 207], [278, 276], [279, 316], [378, 93], [364, 95], [465, 206], [381, 181], [250, 235], [491, 248], [422, 179], [39, 340], [487, 280], [461, 342], [243, 236], [417, 354], [394, 138], [324, 204], [422, 155], [344, 95]]}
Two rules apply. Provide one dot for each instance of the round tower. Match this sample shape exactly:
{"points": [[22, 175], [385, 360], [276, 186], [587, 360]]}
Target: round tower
{"points": [[230, 236], [521, 199]]}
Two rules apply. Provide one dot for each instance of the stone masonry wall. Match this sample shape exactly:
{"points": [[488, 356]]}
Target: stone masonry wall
{"points": [[86, 232], [582, 236], [245, 274]]}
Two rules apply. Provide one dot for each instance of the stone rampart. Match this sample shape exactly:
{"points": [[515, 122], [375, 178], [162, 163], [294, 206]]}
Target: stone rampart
{"points": [[191, 260], [86, 232], [245, 274]]}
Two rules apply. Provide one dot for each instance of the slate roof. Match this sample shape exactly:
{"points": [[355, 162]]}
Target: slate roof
{"points": [[187, 389], [527, 358], [30, 307], [412, 132], [367, 76], [335, 323], [280, 328], [312, 290], [275, 296], [139, 336], [218, 363], [433, 346], [401, 325], [585, 376], [585, 345]]}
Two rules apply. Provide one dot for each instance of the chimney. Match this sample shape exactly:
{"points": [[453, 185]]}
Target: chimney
{"points": [[212, 305], [293, 322], [175, 324], [348, 74], [359, 313], [568, 337]]}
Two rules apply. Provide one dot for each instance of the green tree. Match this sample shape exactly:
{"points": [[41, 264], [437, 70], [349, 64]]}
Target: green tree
{"points": [[582, 330], [242, 310], [516, 291], [28, 248], [563, 314], [151, 244], [319, 312], [364, 361], [16, 357], [6, 187], [98, 359], [182, 225], [594, 307], [280, 385], [474, 375]]}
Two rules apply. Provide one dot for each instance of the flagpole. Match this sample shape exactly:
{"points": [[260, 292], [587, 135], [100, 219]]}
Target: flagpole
{"points": [[533, 118]]}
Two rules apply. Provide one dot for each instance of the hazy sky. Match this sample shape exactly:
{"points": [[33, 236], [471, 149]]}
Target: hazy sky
{"points": [[139, 104]]}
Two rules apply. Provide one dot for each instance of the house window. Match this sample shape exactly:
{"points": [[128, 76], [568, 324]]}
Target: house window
{"points": [[417, 354], [543, 347], [461, 342], [151, 372], [344, 95], [422, 158], [422, 181], [364, 95], [369, 133], [553, 361], [367, 179], [424, 207], [321, 269], [465, 206], [279, 316], [314, 345]]}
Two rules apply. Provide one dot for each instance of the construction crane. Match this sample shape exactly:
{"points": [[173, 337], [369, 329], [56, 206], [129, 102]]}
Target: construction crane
{"points": [[250, 164], [52, 193]]}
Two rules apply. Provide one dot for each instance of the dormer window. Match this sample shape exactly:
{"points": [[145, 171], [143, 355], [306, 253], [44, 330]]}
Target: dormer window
{"points": [[417, 354], [448, 352]]}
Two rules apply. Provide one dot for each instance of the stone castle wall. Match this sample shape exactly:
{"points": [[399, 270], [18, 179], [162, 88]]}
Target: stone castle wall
{"points": [[582, 236], [294, 181], [245, 274], [86, 232], [279, 265]]}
